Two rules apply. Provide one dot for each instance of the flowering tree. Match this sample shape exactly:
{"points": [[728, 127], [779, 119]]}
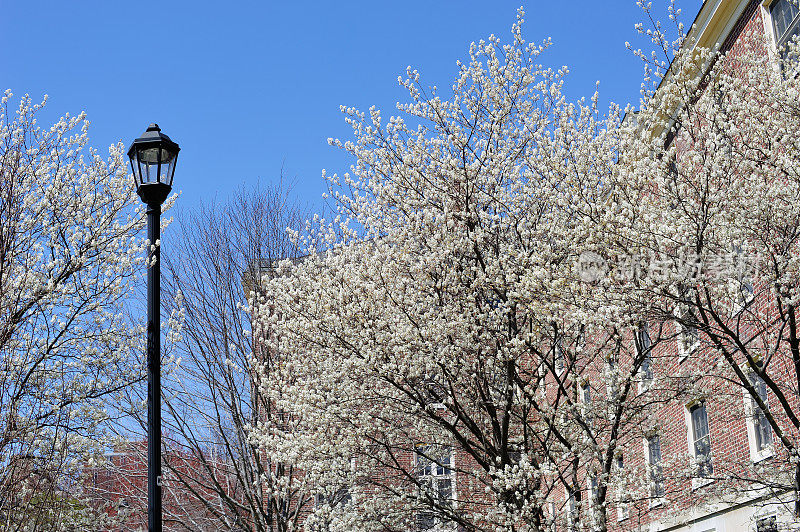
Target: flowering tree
{"points": [[68, 252], [433, 362], [516, 288]]}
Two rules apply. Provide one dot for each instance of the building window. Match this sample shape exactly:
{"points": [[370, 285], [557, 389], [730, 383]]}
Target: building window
{"points": [[433, 393], [767, 524], [623, 503], [586, 393], [700, 440], [594, 498], [572, 511], [785, 23], [763, 430], [655, 472], [435, 477], [560, 360], [612, 378], [688, 336], [594, 489], [759, 431], [644, 344], [586, 398], [745, 292], [341, 497]]}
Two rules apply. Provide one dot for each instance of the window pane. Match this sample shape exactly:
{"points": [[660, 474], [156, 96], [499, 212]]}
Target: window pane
{"points": [[654, 459], [699, 421], [763, 431], [761, 387], [647, 370], [444, 489], [644, 339], [702, 447], [654, 449], [767, 524], [783, 12], [702, 439], [559, 355], [425, 521], [434, 473]]}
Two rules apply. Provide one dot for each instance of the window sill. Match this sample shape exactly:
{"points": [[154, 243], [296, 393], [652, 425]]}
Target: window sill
{"points": [[760, 456], [698, 483], [740, 306], [656, 503], [686, 352]]}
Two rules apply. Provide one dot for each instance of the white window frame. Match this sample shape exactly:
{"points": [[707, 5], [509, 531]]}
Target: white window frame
{"points": [[593, 494], [763, 517], [653, 501], [743, 297], [429, 381], [769, 28], [585, 391], [644, 385], [697, 482], [684, 347], [593, 491], [551, 506], [767, 451], [570, 510], [623, 506], [612, 380], [518, 394], [435, 477], [559, 357]]}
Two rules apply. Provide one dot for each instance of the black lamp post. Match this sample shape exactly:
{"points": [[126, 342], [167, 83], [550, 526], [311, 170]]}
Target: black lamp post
{"points": [[153, 157]]}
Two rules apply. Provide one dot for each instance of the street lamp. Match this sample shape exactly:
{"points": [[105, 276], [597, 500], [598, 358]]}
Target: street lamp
{"points": [[153, 157]]}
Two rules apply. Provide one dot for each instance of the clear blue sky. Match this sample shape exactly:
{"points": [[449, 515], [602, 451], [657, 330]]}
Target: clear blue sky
{"points": [[248, 88]]}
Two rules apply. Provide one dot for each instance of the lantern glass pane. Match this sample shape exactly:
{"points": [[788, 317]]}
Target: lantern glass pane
{"points": [[158, 165], [151, 162], [144, 166], [168, 170], [135, 169], [149, 155]]}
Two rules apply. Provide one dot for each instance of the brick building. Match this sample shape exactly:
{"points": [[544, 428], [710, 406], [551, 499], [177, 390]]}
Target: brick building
{"points": [[720, 431]]}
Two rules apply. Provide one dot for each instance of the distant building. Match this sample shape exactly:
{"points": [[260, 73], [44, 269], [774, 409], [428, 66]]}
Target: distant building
{"points": [[119, 485]]}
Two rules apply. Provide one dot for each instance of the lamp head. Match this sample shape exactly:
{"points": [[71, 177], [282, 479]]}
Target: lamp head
{"points": [[153, 158]]}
